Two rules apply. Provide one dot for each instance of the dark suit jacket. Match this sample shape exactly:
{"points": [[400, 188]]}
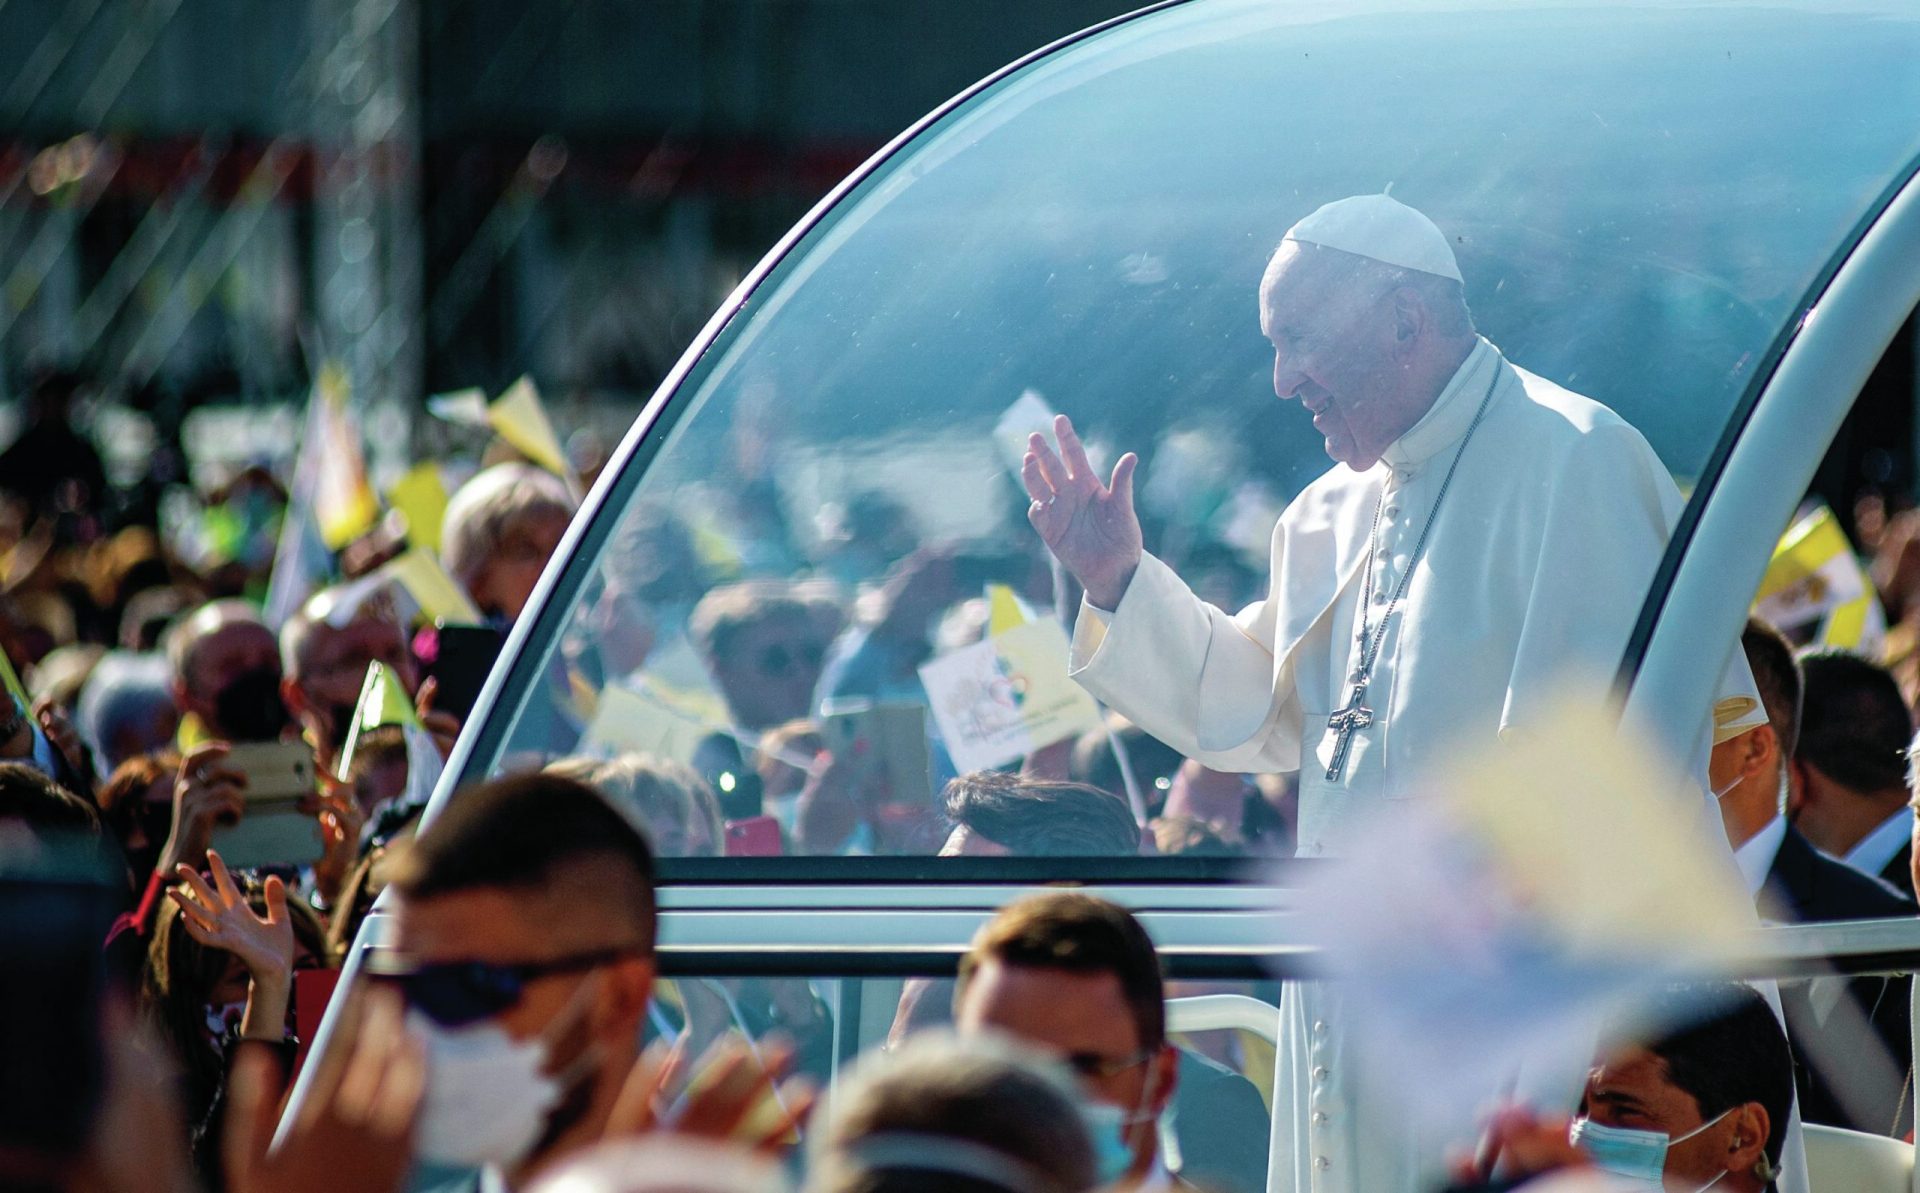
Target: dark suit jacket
{"points": [[1807, 886], [1899, 871]]}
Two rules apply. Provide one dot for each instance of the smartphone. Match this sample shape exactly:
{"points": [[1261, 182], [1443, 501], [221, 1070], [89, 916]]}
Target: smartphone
{"points": [[466, 657], [756, 836], [275, 770], [893, 738], [279, 826]]}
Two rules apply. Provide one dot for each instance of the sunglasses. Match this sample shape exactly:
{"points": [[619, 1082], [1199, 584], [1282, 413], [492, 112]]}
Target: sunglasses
{"points": [[457, 993]]}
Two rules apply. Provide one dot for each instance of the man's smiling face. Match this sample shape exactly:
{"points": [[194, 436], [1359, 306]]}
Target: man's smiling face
{"points": [[1332, 335]]}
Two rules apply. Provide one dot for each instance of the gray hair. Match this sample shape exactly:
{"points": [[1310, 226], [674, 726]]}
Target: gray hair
{"points": [[209, 619], [480, 512], [944, 1113], [126, 692], [668, 798]]}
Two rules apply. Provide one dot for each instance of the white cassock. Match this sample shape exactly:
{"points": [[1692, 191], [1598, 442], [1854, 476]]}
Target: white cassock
{"points": [[1528, 588]]}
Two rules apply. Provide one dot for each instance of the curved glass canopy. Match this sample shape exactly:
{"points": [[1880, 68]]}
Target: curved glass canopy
{"points": [[1642, 199]]}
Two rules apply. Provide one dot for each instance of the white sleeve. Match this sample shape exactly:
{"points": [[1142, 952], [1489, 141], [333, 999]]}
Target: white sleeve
{"points": [[1188, 674]]}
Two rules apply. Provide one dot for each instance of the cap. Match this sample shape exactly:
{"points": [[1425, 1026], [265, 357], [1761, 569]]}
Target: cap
{"points": [[1381, 229]]}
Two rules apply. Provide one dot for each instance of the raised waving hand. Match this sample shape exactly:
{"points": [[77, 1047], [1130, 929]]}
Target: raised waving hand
{"points": [[1090, 527]]}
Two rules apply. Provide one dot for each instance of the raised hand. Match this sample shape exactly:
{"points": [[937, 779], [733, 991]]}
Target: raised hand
{"points": [[219, 917], [340, 822], [442, 726], [205, 794], [1090, 527], [737, 1093]]}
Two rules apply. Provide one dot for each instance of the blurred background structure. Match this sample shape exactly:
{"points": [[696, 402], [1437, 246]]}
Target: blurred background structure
{"points": [[202, 199]]}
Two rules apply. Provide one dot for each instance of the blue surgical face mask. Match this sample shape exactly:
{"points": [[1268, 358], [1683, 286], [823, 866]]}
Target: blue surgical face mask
{"points": [[1107, 1126], [1635, 1154]]}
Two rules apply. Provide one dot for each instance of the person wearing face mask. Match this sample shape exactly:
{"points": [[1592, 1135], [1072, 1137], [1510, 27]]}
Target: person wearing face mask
{"points": [[1702, 1106], [522, 942], [1849, 1060], [1078, 978], [219, 978], [226, 674]]}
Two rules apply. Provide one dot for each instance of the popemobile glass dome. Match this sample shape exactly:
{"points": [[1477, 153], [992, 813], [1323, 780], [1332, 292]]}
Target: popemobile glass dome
{"points": [[1642, 200]]}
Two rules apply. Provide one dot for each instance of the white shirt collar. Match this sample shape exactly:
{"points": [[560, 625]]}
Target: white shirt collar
{"points": [[1755, 857], [1448, 418], [1872, 852]]}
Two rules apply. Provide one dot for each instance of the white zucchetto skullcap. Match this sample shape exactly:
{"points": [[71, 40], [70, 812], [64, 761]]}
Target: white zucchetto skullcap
{"points": [[1381, 229]]}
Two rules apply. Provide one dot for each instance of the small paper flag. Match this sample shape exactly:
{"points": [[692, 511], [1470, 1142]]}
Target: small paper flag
{"points": [[10, 679], [1004, 610], [382, 702], [467, 407], [418, 570], [518, 417]]}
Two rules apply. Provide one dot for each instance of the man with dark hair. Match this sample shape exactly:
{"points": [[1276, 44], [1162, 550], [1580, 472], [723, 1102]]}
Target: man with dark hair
{"points": [[1078, 977], [1793, 882], [999, 815], [1850, 794], [523, 940], [1705, 1103]]}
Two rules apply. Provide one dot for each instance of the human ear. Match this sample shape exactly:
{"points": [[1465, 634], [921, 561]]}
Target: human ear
{"points": [[1759, 750], [1409, 316], [629, 989], [1164, 1078], [1747, 1143]]}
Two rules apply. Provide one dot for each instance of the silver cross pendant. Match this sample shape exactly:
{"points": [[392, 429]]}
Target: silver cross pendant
{"points": [[1345, 723]]}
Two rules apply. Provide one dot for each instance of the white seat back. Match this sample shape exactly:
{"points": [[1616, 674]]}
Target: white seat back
{"points": [[1840, 1161]]}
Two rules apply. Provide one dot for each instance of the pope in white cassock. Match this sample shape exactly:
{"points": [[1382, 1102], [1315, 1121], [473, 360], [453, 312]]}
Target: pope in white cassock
{"points": [[1482, 543]]}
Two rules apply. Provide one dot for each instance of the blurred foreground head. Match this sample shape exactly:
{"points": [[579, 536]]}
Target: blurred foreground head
{"points": [[664, 1164], [946, 1115], [523, 945]]}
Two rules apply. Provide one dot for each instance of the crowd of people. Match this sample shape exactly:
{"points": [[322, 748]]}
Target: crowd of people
{"points": [[515, 1033]]}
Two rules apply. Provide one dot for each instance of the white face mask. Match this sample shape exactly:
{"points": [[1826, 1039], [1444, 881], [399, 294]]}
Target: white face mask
{"points": [[487, 1096]]}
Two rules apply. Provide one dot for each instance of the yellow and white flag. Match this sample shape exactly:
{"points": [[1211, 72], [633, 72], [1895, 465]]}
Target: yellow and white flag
{"points": [[1815, 581], [343, 502], [383, 701], [330, 503]]}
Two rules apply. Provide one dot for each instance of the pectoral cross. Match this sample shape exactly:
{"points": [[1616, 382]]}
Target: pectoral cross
{"points": [[1355, 716]]}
